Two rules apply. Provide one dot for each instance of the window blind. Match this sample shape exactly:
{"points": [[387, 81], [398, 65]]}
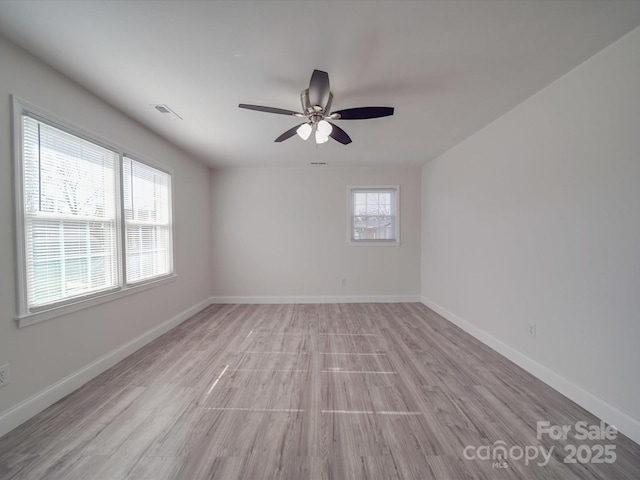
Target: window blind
{"points": [[147, 213], [70, 218]]}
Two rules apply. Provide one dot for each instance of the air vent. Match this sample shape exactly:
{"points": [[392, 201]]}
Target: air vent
{"points": [[163, 109]]}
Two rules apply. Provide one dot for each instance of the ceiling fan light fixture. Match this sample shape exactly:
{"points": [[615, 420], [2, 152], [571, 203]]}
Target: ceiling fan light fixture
{"points": [[304, 131]]}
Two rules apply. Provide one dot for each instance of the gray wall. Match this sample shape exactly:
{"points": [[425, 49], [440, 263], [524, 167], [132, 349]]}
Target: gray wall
{"points": [[281, 233], [47, 353], [536, 219]]}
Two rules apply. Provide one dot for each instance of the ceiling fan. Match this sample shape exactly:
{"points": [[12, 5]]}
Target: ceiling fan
{"points": [[316, 107]]}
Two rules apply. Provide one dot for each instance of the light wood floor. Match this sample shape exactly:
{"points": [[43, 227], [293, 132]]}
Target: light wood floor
{"points": [[363, 391]]}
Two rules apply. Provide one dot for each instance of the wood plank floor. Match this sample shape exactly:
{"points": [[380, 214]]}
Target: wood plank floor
{"points": [[362, 391]]}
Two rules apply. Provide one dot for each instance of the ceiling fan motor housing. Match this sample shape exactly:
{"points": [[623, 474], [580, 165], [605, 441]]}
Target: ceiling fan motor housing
{"points": [[315, 113]]}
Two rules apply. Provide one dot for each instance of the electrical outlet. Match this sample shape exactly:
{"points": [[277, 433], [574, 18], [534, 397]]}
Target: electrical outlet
{"points": [[343, 282], [4, 375], [532, 329]]}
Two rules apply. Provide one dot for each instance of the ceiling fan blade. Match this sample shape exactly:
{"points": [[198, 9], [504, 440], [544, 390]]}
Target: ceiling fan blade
{"points": [[319, 88], [339, 135], [363, 113], [288, 134], [280, 111]]}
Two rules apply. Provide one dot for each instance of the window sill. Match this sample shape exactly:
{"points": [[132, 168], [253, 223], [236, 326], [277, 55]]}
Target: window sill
{"points": [[37, 317], [373, 243]]}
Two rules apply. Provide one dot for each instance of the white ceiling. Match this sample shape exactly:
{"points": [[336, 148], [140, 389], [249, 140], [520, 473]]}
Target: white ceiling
{"points": [[448, 67]]}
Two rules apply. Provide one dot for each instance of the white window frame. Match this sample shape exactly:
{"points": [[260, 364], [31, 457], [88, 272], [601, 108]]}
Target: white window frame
{"points": [[351, 189], [26, 316]]}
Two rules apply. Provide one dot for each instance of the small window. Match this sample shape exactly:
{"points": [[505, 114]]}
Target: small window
{"points": [[147, 214], [373, 217]]}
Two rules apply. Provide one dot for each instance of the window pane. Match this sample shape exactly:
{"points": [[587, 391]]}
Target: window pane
{"points": [[374, 214], [66, 174]]}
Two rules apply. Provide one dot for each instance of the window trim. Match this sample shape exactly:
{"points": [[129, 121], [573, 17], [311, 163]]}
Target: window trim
{"points": [[26, 316], [372, 243]]}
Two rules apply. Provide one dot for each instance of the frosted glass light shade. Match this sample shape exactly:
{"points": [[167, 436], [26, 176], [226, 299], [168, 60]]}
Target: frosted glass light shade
{"points": [[304, 131], [324, 128], [320, 138]]}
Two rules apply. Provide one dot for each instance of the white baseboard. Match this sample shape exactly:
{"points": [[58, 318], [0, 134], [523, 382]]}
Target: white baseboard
{"points": [[33, 405], [318, 299], [625, 424]]}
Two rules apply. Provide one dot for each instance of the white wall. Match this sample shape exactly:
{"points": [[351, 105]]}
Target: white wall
{"points": [[44, 354], [536, 218], [280, 234]]}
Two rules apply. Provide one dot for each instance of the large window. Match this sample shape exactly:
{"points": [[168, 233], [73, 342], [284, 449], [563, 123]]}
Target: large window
{"points": [[91, 221], [373, 217]]}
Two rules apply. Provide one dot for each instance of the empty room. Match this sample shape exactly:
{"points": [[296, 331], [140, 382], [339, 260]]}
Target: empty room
{"points": [[313, 240]]}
